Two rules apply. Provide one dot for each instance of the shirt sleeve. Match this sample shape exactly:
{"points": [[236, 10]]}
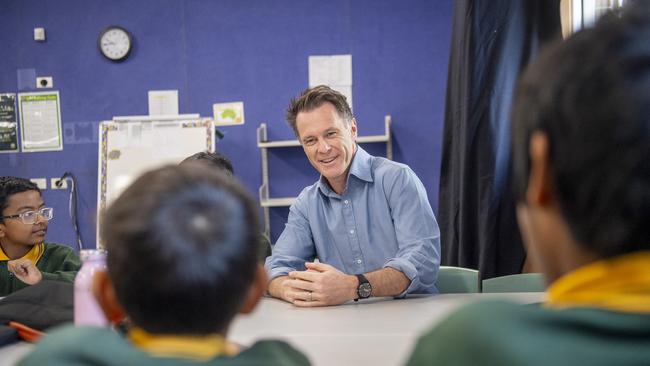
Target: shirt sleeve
{"points": [[416, 229], [65, 271], [295, 245]]}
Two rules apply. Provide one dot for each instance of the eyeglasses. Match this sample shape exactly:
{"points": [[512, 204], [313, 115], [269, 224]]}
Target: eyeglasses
{"points": [[30, 217]]}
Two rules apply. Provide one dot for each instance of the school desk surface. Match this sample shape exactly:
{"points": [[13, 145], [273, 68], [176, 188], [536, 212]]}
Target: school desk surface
{"points": [[377, 331]]}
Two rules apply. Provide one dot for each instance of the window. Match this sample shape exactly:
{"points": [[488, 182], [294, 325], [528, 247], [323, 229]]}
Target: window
{"points": [[584, 13]]}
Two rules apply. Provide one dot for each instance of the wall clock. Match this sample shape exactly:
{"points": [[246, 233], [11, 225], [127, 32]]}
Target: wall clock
{"points": [[115, 43]]}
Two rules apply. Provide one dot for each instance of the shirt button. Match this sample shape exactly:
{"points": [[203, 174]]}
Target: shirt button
{"points": [[351, 231], [358, 261], [346, 202]]}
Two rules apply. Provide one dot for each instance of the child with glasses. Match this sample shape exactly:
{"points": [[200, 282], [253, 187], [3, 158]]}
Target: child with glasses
{"points": [[25, 257]]}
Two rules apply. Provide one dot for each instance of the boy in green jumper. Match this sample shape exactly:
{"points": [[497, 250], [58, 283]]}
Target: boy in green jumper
{"points": [[25, 259], [182, 262], [581, 139]]}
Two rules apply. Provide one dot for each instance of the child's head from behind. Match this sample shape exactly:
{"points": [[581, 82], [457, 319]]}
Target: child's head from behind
{"points": [[181, 247], [213, 159], [581, 137], [20, 203]]}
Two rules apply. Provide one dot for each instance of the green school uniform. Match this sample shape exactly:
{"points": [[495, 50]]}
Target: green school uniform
{"points": [[104, 347], [503, 333], [598, 314], [56, 262]]}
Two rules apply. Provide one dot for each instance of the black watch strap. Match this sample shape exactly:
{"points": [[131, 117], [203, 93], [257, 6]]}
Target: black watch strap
{"points": [[364, 290]]}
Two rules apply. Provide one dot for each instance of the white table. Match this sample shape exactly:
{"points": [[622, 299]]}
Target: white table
{"points": [[372, 332], [9, 355], [377, 332]]}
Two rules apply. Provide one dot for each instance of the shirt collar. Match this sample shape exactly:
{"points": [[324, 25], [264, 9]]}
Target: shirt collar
{"points": [[33, 255], [619, 284], [199, 348], [360, 168]]}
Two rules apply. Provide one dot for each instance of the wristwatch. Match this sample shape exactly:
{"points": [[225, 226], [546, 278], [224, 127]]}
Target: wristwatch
{"points": [[365, 288]]}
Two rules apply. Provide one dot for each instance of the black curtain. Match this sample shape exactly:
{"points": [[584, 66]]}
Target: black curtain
{"points": [[492, 41]]}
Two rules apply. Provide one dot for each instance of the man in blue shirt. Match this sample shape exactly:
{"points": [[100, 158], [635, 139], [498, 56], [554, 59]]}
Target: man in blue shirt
{"points": [[367, 219]]}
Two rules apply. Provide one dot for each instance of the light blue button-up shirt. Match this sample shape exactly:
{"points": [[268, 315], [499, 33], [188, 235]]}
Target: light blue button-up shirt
{"points": [[382, 219]]}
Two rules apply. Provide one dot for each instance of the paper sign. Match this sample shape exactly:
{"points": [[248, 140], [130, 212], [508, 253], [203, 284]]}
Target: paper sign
{"points": [[40, 121], [330, 70], [8, 123], [163, 102], [226, 114], [334, 71]]}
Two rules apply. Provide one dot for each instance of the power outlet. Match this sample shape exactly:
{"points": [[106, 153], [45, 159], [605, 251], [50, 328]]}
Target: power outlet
{"points": [[40, 182], [44, 82], [58, 183]]}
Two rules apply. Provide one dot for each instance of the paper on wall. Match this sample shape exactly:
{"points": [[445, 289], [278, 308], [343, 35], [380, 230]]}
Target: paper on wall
{"points": [[330, 70], [226, 114], [163, 102], [334, 71], [8, 123], [40, 121]]}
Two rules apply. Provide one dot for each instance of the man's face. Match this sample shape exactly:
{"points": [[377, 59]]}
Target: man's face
{"points": [[13, 231], [328, 142]]}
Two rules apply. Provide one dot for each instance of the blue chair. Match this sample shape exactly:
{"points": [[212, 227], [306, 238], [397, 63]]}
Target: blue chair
{"points": [[525, 282], [457, 280]]}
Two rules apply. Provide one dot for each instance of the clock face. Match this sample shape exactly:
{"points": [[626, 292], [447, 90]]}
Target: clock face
{"points": [[115, 43]]}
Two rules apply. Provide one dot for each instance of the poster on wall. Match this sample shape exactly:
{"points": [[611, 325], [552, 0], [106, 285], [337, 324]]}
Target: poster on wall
{"points": [[227, 114], [163, 102], [40, 121], [334, 71], [8, 123]]}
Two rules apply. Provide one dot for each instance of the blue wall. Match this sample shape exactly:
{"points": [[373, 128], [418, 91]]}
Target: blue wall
{"points": [[228, 50]]}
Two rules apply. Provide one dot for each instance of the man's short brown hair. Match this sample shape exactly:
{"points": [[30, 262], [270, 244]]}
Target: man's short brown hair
{"points": [[315, 97]]}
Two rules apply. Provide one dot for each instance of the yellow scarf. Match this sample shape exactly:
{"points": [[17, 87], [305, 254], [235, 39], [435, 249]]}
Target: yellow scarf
{"points": [[33, 255], [199, 348], [619, 284]]}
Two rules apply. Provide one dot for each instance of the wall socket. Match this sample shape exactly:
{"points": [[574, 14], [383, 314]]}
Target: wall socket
{"points": [[44, 82], [54, 183], [40, 182]]}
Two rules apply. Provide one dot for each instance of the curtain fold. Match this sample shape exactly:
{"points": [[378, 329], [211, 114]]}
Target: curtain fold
{"points": [[492, 41]]}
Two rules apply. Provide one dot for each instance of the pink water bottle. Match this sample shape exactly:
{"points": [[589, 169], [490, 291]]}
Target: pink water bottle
{"points": [[86, 309]]}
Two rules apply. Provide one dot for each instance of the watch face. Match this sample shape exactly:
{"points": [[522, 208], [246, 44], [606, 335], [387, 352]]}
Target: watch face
{"points": [[115, 43], [364, 290]]}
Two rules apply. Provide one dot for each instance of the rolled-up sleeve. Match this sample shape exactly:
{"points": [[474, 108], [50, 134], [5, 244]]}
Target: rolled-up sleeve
{"points": [[416, 230], [295, 245]]}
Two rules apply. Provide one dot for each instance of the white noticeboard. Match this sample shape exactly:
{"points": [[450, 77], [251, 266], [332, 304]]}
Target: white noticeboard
{"points": [[128, 149]]}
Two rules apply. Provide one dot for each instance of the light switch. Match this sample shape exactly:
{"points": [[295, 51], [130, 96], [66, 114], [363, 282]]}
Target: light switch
{"points": [[40, 182], [39, 34]]}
